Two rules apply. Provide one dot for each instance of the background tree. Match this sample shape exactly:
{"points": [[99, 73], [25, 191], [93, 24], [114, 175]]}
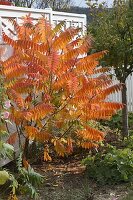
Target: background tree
{"points": [[54, 4], [113, 31]]}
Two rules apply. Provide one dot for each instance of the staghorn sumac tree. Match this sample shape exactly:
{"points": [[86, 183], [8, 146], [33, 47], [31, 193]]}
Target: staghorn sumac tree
{"points": [[51, 84]]}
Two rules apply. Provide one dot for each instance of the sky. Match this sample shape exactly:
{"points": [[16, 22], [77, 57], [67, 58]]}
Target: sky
{"points": [[81, 3]]}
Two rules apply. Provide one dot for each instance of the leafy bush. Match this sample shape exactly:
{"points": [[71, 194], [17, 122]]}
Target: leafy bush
{"points": [[128, 142], [112, 166], [51, 84], [28, 179], [6, 150], [130, 120], [116, 121]]}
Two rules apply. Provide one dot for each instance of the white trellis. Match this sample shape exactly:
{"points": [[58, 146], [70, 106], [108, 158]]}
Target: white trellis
{"points": [[77, 20], [6, 12]]}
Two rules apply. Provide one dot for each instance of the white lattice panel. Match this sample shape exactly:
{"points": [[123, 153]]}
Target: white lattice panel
{"points": [[77, 20], [6, 12]]}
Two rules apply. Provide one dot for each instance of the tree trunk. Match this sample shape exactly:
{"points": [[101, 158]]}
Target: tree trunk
{"points": [[124, 112]]}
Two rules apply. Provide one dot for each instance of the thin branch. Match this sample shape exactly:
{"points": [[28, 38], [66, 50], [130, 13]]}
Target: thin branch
{"points": [[19, 137], [7, 127], [69, 128]]}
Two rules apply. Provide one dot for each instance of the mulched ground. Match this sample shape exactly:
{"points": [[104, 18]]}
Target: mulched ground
{"points": [[70, 182], [67, 180]]}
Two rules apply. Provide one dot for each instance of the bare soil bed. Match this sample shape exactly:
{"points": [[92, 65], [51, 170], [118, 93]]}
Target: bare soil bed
{"points": [[67, 180]]}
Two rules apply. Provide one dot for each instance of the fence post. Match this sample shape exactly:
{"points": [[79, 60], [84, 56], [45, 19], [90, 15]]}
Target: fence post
{"points": [[0, 30], [50, 11]]}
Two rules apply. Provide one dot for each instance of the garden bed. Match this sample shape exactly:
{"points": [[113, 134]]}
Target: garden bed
{"points": [[68, 181]]}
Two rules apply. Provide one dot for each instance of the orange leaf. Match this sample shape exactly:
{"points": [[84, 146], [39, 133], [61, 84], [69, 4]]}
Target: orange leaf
{"points": [[91, 134], [40, 111], [25, 163], [59, 148], [13, 197], [33, 134], [69, 145]]}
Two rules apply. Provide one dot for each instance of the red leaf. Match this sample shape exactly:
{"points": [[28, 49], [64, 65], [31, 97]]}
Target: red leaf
{"points": [[12, 139], [7, 3]]}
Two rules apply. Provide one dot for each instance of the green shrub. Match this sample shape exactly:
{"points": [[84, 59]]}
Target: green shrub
{"points": [[116, 121], [130, 121], [128, 142], [111, 167]]}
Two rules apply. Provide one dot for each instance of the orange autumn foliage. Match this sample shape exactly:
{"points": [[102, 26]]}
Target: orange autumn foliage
{"points": [[55, 87], [5, 2]]}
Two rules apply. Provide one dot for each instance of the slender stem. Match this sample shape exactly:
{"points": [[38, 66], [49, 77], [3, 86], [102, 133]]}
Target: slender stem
{"points": [[20, 145], [69, 128], [50, 85], [7, 127], [56, 112]]}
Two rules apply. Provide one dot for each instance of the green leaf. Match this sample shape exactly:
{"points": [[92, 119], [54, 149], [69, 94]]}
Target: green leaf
{"points": [[4, 176], [9, 149]]}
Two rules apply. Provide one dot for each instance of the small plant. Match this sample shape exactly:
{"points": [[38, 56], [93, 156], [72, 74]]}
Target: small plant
{"points": [[128, 142], [130, 120], [111, 166], [86, 192], [28, 179]]}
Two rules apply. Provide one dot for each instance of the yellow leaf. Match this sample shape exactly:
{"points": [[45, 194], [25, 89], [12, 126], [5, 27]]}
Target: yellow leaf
{"points": [[47, 157], [13, 197], [59, 148]]}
